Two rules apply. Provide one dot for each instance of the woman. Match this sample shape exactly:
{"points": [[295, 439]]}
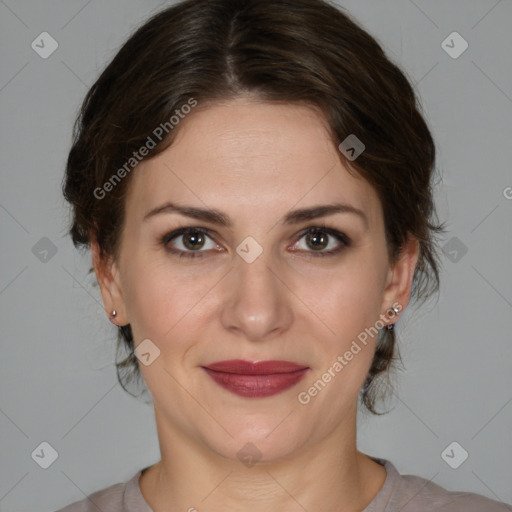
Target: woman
{"points": [[254, 181]]}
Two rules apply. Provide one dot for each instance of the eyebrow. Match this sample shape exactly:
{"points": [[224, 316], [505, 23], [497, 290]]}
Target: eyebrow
{"points": [[294, 217]]}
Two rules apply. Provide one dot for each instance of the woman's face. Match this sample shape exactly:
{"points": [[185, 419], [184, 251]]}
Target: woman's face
{"points": [[256, 286]]}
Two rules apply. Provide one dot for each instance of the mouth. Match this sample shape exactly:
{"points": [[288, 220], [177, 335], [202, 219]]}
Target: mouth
{"points": [[256, 380]]}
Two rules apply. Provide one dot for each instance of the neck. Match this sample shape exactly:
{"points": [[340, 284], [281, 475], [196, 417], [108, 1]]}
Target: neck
{"points": [[191, 476]]}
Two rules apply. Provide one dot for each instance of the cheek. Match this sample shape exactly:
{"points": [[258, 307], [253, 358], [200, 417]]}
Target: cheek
{"points": [[349, 306], [348, 303], [160, 298], [347, 299]]}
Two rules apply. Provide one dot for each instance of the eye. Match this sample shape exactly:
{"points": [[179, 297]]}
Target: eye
{"points": [[191, 243], [319, 238]]}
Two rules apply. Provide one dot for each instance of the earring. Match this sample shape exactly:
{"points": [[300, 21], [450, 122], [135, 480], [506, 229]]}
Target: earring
{"points": [[113, 315], [390, 327]]}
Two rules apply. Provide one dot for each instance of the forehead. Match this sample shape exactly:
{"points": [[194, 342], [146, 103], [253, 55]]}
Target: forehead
{"points": [[247, 157]]}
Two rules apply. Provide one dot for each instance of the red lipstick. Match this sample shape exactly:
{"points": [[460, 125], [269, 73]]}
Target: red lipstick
{"points": [[261, 379]]}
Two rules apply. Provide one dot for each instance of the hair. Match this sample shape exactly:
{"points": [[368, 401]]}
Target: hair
{"points": [[302, 51]]}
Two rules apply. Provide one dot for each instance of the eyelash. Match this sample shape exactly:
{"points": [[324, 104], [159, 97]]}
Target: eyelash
{"points": [[338, 235]]}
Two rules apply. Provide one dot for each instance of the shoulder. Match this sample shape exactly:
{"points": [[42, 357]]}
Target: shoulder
{"points": [[113, 498], [110, 498], [413, 493]]}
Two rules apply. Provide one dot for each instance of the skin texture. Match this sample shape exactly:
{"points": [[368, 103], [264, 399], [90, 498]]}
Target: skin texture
{"points": [[255, 162]]}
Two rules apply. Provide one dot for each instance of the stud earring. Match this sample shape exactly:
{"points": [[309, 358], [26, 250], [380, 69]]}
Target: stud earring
{"points": [[390, 327]]}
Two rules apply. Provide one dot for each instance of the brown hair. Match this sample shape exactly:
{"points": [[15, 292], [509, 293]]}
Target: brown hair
{"points": [[305, 51]]}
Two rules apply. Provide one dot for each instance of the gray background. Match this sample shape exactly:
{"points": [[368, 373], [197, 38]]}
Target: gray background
{"points": [[58, 381]]}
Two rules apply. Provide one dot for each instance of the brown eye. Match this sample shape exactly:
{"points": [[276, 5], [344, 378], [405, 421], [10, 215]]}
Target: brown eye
{"points": [[317, 240], [193, 240]]}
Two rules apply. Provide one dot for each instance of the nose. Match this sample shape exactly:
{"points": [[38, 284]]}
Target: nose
{"points": [[258, 302]]}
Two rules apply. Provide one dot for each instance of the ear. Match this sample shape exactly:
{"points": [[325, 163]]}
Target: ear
{"points": [[107, 274], [397, 290]]}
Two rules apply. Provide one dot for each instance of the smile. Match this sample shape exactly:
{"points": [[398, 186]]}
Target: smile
{"points": [[256, 380]]}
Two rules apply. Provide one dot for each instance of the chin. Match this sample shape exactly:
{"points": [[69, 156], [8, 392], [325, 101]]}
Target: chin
{"points": [[259, 440]]}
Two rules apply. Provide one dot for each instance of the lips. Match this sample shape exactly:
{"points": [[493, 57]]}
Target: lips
{"points": [[260, 379], [241, 367]]}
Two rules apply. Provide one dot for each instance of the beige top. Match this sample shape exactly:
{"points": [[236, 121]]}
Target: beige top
{"points": [[400, 493]]}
